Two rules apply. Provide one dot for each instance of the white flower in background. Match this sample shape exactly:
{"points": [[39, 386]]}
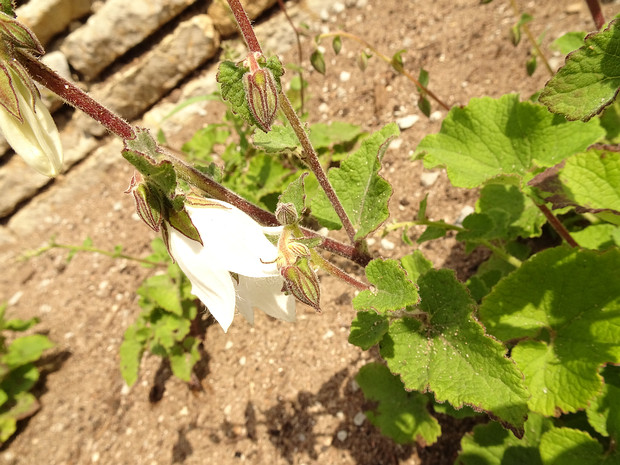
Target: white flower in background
{"points": [[233, 243], [31, 131]]}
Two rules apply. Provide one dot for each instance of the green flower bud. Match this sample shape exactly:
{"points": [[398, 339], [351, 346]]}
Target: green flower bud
{"points": [[261, 93], [286, 214], [148, 204], [301, 281]]}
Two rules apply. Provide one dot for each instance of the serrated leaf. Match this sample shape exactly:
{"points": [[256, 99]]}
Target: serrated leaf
{"points": [[230, 79], [183, 357], [491, 137], [295, 194], [589, 80], [569, 42], [568, 299], [168, 329], [279, 139], [26, 349], [604, 410], [367, 329], [363, 192], [400, 415], [491, 444], [567, 446], [323, 136], [415, 265], [131, 351], [449, 354], [163, 292], [393, 290]]}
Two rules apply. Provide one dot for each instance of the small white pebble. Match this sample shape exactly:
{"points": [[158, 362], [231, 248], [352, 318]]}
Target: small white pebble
{"points": [[345, 76], [435, 116], [323, 108], [465, 211], [338, 7], [328, 334], [342, 435], [15, 298], [428, 178], [184, 411], [227, 410], [387, 244], [407, 121], [359, 419], [371, 241], [228, 345], [242, 360], [395, 144], [95, 457]]}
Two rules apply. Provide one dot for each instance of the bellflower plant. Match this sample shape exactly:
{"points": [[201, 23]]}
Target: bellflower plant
{"points": [[234, 267]]}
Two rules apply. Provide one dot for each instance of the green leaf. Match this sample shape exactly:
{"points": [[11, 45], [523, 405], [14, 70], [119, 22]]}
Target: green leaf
{"points": [[20, 325], [592, 180], [363, 193], [230, 79], [515, 31], [183, 357], [589, 80], [131, 351], [491, 444], [565, 300], [430, 233], [25, 405], [163, 292], [200, 147], [415, 265], [490, 137], [392, 291], [20, 380], [400, 415], [168, 329], [279, 139], [397, 61], [449, 354], [596, 236], [569, 42], [566, 446], [317, 60], [367, 329], [323, 136], [604, 410], [26, 349], [295, 194], [337, 44]]}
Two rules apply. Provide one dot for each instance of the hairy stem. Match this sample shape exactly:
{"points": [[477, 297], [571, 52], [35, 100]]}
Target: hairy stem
{"points": [[245, 26], [558, 226], [388, 60], [299, 55], [76, 97], [597, 14]]}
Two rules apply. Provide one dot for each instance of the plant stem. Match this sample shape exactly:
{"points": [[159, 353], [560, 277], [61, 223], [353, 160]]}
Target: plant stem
{"points": [[311, 157], [299, 55], [388, 60], [557, 225], [245, 26], [531, 38], [514, 261], [76, 96], [597, 14]]}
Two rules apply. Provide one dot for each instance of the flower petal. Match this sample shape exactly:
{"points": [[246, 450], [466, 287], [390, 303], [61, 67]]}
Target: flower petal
{"points": [[35, 139], [233, 240], [213, 286], [265, 294]]}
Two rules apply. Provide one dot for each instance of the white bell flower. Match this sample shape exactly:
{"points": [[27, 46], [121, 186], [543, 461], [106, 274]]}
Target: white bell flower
{"points": [[35, 138], [233, 243]]}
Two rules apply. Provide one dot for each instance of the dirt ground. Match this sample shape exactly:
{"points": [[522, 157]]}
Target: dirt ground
{"points": [[274, 393]]}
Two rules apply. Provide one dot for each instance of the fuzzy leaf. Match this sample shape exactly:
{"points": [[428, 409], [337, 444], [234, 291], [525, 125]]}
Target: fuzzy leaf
{"points": [[566, 446], [491, 444], [393, 290], [569, 42], [449, 354], [400, 415], [569, 300], [367, 329], [491, 137], [363, 193], [163, 292], [131, 351], [295, 194], [415, 265], [589, 80], [279, 139], [26, 349], [604, 410], [183, 357]]}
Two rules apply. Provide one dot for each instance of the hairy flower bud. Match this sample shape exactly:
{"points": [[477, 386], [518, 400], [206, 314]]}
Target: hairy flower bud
{"points": [[261, 93], [148, 204], [286, 214], [301, 281]]}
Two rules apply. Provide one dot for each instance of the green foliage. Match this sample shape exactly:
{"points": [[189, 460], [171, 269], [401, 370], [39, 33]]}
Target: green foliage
{"points": [[400, 414], [363, 192], [18, 372], [493, 137], [164, 325], [589, 80]]}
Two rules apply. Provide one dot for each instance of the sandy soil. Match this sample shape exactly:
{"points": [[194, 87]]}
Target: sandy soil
{"points": [[275, 393]]}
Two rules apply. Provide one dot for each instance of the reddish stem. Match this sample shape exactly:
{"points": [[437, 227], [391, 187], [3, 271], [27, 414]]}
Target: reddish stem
{"points": [[558, 226], [597, 14], [76, 97], [245, 25]]}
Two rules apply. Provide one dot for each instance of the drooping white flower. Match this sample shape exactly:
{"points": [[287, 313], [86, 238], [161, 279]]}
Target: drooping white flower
{"points": [[233, 243], [32, 132]]}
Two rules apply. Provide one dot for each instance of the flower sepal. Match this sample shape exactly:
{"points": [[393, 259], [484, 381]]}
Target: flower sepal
{"points": [[302, 282], [18, 35]]}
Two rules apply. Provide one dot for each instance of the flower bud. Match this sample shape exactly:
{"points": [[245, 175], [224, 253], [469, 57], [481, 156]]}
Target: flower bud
{"points": [[148, 204], [286, 214], [301, 281], [261, 93]]}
